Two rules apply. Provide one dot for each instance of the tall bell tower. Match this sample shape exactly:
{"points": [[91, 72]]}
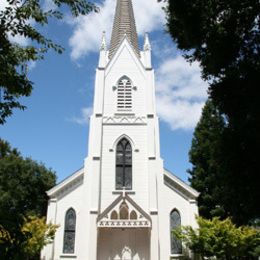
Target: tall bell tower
{"points": [[124, 111]]}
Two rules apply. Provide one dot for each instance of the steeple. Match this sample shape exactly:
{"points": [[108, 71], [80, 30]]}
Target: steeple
{"points": [[124, 26]]}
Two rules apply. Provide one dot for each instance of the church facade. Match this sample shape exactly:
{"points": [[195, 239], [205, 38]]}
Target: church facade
{"points": [[123, 204]]}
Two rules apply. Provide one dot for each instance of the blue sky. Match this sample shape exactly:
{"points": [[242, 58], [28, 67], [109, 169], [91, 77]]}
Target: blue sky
{"points": [[54, 127]]}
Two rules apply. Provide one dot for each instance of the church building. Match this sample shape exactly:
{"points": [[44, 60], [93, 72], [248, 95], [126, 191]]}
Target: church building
{"points": [[123, 204]]}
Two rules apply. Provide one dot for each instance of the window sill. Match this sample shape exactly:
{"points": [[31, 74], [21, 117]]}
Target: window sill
{"points": [[68, 256], [175, 256], [131, 192]]}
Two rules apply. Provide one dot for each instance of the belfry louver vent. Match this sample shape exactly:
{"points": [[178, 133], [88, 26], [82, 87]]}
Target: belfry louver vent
{"points": [[124, 94], [124, 24]]}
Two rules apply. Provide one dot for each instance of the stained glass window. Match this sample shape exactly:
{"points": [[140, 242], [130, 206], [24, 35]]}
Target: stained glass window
{"points": [[175, 219], [69, 232], [124, 165]]}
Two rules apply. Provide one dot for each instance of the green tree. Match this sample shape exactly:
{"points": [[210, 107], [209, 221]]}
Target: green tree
{"points": [[23, 185], [204, 156], [5, 238], [220, 239], [38, 234], [224, 37], [25, 18]]}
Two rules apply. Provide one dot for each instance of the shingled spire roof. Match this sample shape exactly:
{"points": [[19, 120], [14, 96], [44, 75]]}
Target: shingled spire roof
{"points": [[124, 24]]}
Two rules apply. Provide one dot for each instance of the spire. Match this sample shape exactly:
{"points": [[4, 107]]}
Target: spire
{"points": [[124, 25]]}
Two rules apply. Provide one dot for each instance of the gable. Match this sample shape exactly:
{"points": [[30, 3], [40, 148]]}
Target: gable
{"points": [[179, 186], [124, 213], [125, 59], [67, 185]]}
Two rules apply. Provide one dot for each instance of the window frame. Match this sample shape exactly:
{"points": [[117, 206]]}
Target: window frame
{"points": [[69, 230], [178, 250], [124, 165], [124, 94]]}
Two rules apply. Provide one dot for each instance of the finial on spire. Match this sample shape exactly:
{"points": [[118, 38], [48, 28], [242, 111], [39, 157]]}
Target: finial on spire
{"points": [[103, 46], [147, 45]]}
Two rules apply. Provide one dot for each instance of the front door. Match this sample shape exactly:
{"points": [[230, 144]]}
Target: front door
{"points": [[123, 244]]}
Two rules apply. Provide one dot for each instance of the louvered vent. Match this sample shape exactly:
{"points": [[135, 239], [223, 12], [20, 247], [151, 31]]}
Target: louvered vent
{"points": [[124, 95]]}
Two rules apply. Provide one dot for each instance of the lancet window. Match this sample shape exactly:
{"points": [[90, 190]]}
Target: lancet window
{"points": [[114, 215], [124, 165], [124, 211], [69, 232], [175, 222], [124, 94], [133, 215]]}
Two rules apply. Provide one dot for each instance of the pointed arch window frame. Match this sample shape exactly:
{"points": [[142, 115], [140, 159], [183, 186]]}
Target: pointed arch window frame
{"points": [[69, 232], [176, 244], [124, 94], [124, 165]]}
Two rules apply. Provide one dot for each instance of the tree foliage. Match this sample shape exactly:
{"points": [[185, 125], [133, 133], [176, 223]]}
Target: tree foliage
{"points": [[204, 157], [23, 185], [4, 235], [25, 18], [224, 37], [220, 239], [38, 234]]}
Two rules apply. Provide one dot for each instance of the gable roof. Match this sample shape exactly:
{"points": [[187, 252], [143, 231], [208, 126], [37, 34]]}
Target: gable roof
{"points": [[179, 186], [68, 182], [170, 180]]}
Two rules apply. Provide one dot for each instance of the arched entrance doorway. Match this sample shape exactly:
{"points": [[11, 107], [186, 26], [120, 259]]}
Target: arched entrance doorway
{"points": [[123, 244]]}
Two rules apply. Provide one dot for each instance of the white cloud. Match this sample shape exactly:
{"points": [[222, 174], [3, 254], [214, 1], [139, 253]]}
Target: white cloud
{"points": [[149, 15], [180, 93], [31, 65], [3, 5], [19, 39], [87, 32], [49, 5], [83, 119]]}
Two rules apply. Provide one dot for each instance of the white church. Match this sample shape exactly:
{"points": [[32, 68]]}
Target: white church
{"points": [[123, 204]]}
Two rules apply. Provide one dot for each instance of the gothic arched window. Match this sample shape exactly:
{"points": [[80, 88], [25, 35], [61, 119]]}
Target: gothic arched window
{"points": [[124, 94], [175, 222], [114, 215], [124, 211], [133, 215], [69, 232], [124, 165]]}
